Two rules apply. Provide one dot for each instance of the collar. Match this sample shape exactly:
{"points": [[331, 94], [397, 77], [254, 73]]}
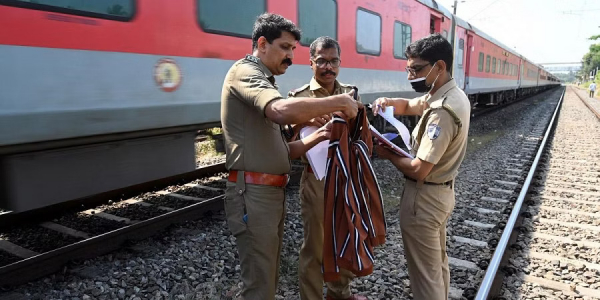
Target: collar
{"points": [[441, 92], [260, 64], [314, 85]]}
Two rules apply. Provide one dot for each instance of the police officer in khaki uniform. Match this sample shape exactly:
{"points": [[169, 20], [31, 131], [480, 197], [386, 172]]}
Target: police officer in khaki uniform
{"points": [[325, 63], [439, 145], [257, 155]]}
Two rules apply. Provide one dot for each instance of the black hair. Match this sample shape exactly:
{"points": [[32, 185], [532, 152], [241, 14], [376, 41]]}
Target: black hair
{"points": [[326, 43], [271, 26], [432, 48]]}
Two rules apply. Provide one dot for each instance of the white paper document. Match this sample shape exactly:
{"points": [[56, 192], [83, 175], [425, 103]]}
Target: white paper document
{"points": [[317, 155], [388, 144], [388, 115]]}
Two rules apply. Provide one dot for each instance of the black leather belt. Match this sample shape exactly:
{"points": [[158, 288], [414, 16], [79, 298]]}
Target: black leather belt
{"points": [[449, 182]]}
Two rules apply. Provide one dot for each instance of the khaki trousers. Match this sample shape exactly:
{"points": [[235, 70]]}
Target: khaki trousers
{"points": [[311, 254], [259, 239], [424, 211]]}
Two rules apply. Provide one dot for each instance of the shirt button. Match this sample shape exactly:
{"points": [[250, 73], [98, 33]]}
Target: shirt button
{"points": [[240, 192]]}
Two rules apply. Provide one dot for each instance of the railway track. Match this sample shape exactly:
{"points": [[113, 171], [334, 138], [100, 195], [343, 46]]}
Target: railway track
{"points": [[37, 248], [477, 227], [550, 246]]}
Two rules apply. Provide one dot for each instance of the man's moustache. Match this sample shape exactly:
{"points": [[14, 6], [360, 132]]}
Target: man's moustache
{"points": [[287, 61], [328, 72]]}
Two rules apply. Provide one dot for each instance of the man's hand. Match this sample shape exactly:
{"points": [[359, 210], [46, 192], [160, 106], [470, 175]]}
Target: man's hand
{"points": [[319, 121], [323, 133], [350, 105], [380, 104]]}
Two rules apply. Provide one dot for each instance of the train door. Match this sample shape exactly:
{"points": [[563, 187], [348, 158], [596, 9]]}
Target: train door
{"points": [[520, 73], [468, 60], [459, 65]]}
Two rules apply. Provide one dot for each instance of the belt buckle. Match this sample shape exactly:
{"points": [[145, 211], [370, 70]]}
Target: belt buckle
{"points": [[287, 179]]}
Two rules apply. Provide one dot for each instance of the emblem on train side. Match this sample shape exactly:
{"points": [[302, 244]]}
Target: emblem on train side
{"points": [[167, 74]]}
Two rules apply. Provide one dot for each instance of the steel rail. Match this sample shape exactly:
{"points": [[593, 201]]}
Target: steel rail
{"points": [[587, 103], [499, 252], [52, 261]]}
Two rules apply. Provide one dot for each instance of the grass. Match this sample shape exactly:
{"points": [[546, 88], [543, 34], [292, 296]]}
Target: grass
{"points": [[208, 147]]}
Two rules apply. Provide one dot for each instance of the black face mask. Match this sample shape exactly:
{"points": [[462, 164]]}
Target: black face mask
{"points": [[420, 84]]}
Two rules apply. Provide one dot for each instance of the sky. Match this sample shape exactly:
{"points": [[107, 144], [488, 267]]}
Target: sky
{"points": [[544, 31]]}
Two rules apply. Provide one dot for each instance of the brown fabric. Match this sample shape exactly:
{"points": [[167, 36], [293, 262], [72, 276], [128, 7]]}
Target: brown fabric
{"points": [[312, 195], [354, 221]]}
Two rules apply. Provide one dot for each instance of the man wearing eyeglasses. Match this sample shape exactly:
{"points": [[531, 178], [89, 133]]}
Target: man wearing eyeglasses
{"points": [[325, 63], [439, 146]]}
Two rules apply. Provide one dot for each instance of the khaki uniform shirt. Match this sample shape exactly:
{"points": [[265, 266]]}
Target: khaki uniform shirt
{"points": [[444, 142], [252, 142], [315, 90]]}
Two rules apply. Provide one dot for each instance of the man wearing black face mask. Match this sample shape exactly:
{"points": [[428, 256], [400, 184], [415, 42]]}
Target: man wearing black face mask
{"points": [[439, 146]]}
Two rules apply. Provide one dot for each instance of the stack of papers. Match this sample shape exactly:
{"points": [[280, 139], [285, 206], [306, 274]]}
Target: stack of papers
{"points": [[317, 155], [388, 115]]}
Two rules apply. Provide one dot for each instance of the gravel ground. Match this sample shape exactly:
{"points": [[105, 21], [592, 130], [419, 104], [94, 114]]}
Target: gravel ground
{"points": [[7, 258], [198, 260], [166, 201], [571, 173], [197, 192], [91, 225], [37, 239], [132, 211]]}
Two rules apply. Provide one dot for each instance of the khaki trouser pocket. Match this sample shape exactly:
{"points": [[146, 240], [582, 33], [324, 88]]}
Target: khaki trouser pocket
{"points": [[235, 210], [407, 202]]}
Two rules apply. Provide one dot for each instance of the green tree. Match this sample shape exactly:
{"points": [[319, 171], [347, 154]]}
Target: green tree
{"points": [[591, 60]]}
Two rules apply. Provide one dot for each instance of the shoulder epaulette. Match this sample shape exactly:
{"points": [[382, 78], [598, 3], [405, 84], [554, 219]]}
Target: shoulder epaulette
{"points": [[293, 93]]}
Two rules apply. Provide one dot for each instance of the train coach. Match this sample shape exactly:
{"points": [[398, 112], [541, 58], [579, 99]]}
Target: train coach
{"points": [[100, 95]]}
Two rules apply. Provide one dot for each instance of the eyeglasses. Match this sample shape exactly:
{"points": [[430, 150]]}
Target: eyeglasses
{"points": [[321, 62], [414, 71]]}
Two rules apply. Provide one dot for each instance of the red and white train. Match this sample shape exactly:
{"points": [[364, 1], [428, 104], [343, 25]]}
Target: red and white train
{"points": [[99, 95]]}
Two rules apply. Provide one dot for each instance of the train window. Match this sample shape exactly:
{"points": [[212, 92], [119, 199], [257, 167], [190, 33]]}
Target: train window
{"points": [[240, 17], [368, 32], [499, 66], [402, 38], [118, 10], [487, 64], [461, 52], [315, 19], [493, 65], [480, 64], [504, 68]]}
